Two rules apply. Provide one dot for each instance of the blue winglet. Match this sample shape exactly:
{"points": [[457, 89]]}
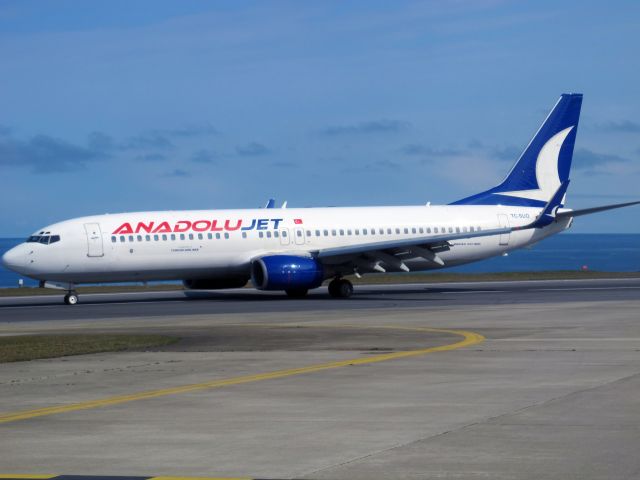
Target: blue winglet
{"points": [[548, 215]]}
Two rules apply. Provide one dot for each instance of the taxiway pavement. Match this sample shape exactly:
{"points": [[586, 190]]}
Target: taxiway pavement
{"points": [[382, 385]]}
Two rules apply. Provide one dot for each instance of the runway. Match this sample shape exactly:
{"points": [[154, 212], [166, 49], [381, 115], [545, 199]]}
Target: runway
{"points": [[248, 300], [484, 380]]}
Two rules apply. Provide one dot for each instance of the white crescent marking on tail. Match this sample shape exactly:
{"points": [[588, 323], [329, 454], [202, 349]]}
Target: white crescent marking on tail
{"points": [[546, 170]]}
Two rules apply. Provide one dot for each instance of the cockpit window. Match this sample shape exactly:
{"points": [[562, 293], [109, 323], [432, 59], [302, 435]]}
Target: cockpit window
{"points": [[43, 239]]}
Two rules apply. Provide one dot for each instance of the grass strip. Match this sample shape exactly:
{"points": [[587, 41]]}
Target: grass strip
{"points": [[21, 348]]}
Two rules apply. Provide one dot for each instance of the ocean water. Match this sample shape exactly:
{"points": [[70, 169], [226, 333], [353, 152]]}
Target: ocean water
{"points": [[608, 252]]}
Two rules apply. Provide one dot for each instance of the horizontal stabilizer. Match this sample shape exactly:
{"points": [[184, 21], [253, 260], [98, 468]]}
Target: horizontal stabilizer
{"points": [[588, 211]]}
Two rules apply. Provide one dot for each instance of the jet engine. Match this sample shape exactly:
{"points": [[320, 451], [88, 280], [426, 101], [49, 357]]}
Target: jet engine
{"points": [[286, 272]]}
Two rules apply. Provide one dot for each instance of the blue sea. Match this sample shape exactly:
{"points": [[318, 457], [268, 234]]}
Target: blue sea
{"points": [[609, 253]]}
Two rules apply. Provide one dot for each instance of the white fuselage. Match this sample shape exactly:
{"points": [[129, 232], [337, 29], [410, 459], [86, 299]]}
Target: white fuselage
{"points": [[217, 243]]}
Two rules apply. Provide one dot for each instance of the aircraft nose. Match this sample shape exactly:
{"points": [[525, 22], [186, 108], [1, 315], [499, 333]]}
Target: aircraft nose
{"points": [[14, 259]]}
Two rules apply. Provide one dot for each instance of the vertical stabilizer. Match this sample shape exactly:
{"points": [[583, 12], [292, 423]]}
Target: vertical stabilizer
{"points": [[545, 163]]}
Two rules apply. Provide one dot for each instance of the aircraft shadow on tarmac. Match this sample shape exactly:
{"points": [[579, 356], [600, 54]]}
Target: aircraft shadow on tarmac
{"points": [[250, 296]]}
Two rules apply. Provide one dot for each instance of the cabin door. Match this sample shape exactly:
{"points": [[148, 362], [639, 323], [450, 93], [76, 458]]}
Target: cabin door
{"points": [[503, 220], [94, 240]]}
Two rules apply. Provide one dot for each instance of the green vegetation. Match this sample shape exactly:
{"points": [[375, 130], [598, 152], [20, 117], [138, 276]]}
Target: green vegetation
{"points": [[30, 347]]}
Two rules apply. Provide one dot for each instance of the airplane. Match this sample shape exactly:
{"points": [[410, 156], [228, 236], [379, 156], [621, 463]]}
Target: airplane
{"points": [[296, 249]]}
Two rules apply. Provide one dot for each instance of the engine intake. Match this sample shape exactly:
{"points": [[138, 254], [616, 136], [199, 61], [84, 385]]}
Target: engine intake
{"points": [[286, 272]]}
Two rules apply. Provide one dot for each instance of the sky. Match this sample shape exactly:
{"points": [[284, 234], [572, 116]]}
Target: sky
{"points": [[168, 105]]}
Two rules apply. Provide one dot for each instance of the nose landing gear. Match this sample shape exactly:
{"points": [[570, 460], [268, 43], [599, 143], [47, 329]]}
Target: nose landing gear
{"points": [[71, 298], [340, 288]]}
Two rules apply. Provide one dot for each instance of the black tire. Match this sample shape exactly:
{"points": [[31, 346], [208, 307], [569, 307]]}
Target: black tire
{"points": [[340, 288], [71, 298], [345, 288], [333, 288], [297, 292]]}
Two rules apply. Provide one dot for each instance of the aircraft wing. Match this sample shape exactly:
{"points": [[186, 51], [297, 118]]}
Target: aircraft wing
{"points": [[391, 253]]}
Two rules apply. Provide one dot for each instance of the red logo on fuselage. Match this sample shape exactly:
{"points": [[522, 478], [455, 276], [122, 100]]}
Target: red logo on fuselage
{"points": [[197, 226]]}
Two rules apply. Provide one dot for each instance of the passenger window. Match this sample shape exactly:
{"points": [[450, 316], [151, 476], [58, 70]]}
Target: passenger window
{"points": [[428, 229], [210, 236], [182, 236], [276, 234], [268, 234], [122, 238], [173, 236], [164, 238], [364, 231], [284, 233], [226, 235], [260, 234], [113, 239], [244, 234], [218, 236], [191, 236], [308, 233], [421, 230], [464, 229], [357, 231], [397, 231], [317, 233], [341, 232], [457, 229], [413, 230], [333, 233], [147, 238], [471, 229], [155, 238], [478, 228], [326, 233], [435, 229], [131, 238], [450, 229], [299, 233], [349, 232]]}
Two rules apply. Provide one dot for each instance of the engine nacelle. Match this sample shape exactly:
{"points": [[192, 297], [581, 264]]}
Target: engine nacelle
{"points": [[215, 283], [286, 272]]}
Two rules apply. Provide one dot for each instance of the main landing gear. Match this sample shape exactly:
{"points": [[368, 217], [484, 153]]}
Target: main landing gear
{"points": [[71, 298], [340, 288], [297, 292]]}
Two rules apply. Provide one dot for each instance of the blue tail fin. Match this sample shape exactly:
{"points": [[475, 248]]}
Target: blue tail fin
{"points": [[543, 166]]}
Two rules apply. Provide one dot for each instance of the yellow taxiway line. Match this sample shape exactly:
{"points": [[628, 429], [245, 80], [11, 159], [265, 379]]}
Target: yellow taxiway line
{"points": [[469, 338]]}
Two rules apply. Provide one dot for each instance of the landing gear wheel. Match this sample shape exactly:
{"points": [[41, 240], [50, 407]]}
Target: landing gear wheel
{"points": [[71, 298], [297, 292], [340, 288]]}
